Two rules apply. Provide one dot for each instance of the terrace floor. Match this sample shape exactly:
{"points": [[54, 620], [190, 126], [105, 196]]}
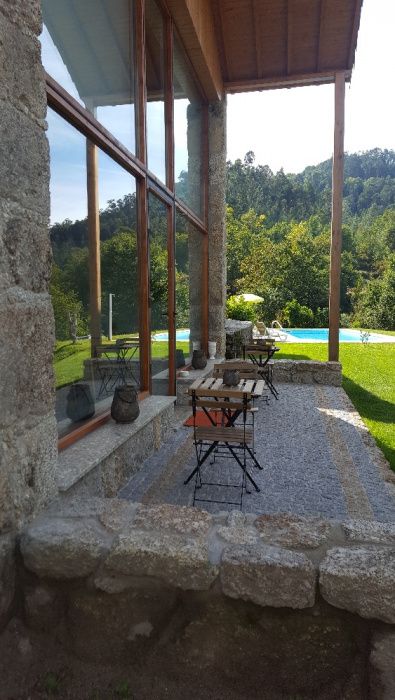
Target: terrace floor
{"points": [[318, 459]]}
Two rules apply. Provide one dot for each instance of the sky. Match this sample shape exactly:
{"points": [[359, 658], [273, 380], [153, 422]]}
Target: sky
{"points": [[287, 129], [293, 128]]}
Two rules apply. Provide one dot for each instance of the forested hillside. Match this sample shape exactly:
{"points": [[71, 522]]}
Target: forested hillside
{"points": [[279, 240]]}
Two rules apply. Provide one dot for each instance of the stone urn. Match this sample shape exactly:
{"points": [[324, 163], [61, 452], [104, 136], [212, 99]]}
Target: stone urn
{"points": [[80, 404], [231, 377], [180, 358], [199, 359], [125, 407]]}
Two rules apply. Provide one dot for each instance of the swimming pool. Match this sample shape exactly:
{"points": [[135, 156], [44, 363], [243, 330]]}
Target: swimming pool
{"points": [[320, 335], [182, 334]]}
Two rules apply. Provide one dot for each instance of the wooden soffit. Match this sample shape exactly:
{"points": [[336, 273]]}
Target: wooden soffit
{"points": [[245, 45]]}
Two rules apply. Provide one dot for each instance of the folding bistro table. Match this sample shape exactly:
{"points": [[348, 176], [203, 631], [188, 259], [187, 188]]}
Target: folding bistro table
{"points": [[119, 369], [260, 353]]}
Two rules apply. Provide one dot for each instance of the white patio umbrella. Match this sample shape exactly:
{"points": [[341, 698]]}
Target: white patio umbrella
{"points": [[249, 297]]}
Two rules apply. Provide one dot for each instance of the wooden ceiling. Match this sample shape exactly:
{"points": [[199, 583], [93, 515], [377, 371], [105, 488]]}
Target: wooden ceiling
{"points": [[262, 44]]}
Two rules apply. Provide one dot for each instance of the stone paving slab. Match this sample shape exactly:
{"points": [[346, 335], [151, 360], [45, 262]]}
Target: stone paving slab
{"points": [[318, 460]]}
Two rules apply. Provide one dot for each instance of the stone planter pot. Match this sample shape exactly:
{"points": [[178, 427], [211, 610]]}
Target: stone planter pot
{"points": [[231, 377], [80, 402], [125, 407], [199, 359]]}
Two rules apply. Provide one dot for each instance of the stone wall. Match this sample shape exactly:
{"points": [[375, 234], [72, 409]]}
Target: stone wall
{"points": [[238, 333], [295, 605], [28, 436], [307, 372], [216, 224]]}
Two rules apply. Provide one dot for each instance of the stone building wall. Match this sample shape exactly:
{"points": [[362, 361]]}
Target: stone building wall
{"points": [[28, 436]]}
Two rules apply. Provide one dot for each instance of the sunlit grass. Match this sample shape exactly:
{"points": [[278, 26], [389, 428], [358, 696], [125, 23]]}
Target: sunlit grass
{"points": [[368, 379], [69, 357]]}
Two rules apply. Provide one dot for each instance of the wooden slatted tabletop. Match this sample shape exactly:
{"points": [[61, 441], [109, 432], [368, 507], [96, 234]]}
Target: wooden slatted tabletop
{"points": [[249, 388]]}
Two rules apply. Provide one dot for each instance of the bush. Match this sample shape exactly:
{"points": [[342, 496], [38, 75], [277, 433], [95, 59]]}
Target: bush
{"points": [[294, 315], [345, 321], [321, 317], [241, 310]]}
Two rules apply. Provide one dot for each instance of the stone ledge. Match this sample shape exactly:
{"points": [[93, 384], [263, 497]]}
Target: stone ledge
{"points": [[81, 458], [271, 561], [307, 372]]}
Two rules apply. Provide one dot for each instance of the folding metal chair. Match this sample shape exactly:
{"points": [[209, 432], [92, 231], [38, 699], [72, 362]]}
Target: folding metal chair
{"points": [[237, 441]]}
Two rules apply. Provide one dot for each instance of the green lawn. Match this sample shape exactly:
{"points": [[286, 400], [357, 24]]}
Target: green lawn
{"points": [[368, 379]]}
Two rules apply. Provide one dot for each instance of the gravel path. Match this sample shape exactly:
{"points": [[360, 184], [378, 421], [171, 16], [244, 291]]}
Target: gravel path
{"points": [[317, 458]]}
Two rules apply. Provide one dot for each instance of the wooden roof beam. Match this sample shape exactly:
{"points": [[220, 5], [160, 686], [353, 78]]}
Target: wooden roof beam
{"points": [[354, 33], [195, 24], [285, 81]]}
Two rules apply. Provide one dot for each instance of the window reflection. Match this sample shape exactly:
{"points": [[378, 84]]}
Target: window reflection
{"points": [[155, 67], [187, 132], [189, 284], [87, 47], [96, 349]]}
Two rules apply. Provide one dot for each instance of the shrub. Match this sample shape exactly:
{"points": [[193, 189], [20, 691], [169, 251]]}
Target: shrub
{"points": [[241, 310], [345, 321], [321, 317], [294, 315]]}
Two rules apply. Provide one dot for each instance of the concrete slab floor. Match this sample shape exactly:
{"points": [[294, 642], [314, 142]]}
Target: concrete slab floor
{"points": [[318, 459]]}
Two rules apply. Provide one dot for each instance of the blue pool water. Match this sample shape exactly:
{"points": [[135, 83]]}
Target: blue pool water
{"points": [[346, 335], [180, 335]]}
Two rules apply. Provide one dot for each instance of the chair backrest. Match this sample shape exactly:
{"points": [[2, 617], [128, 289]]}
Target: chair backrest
{"points": [[245, 368], [262, 329]]}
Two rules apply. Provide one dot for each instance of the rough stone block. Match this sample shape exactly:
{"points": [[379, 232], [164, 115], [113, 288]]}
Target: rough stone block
{"points": [[25, 252], [26, 349], [360, 580], [7, 577], [237, 531], [177, 519], [382, 665], [24, 161], [177, 560], [43, 607], [22, 74], [294, 531], [25, 13], [64, 549], [28, 457], [369, 531], [268, 576]]}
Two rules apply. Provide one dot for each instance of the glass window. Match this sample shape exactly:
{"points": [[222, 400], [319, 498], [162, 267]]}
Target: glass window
{"points": [[159, 295], [88, 367], [189, 284], [187, 132], [155, 70], [87, 47]]}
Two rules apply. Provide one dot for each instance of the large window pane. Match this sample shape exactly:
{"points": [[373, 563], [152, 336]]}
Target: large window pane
{"points": [[189, 284], [88, 369], [187, 132], [155, 67], [87, 47], [158, 228]]}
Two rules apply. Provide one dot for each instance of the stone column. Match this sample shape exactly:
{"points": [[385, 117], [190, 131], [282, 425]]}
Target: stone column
{"points": [[216, 223], [28, 435], [194, 200]]}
